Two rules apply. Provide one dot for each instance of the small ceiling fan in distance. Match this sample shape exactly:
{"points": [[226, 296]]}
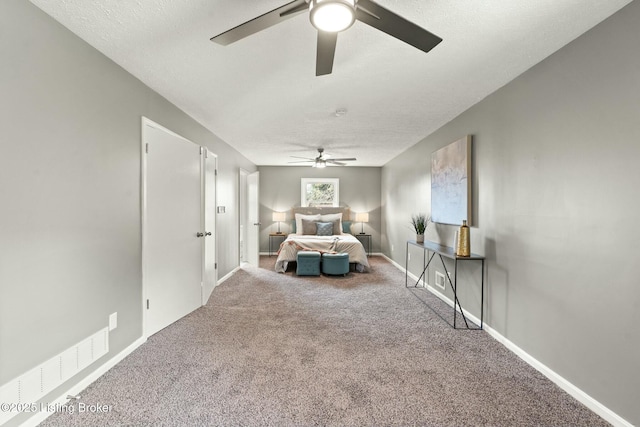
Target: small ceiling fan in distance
{"points": [[330, 17], [323, 160]]}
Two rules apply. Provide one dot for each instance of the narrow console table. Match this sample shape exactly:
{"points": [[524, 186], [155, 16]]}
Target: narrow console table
{"points": [[446, 252]]}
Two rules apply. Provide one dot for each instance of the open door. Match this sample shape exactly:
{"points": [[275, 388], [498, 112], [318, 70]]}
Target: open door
{"points": [[172, 221], [252, 232], [209, 250]]}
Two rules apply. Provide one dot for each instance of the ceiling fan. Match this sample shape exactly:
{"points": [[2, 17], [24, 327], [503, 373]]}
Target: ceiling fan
{"points": [[330, 17], [323, 160]]}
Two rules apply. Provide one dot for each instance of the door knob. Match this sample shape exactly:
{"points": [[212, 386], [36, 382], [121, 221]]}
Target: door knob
{"points": [[207, 233], [257, 223], [199, 234]]}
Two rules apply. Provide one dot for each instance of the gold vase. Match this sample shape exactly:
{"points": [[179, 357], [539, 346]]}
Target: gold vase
{"points": [[464, 244]]}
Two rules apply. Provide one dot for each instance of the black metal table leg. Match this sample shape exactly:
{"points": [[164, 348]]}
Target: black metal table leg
{"points": [[448, 252], [454, 288]]}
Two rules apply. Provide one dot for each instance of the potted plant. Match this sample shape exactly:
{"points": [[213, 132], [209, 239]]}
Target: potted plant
{"points": [[420, 222]]}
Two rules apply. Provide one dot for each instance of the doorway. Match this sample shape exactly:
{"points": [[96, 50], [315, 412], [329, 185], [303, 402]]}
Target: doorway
{"points": [[249, 220]]}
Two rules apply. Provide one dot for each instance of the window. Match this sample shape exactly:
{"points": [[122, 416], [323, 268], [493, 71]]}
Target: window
{"points": [[320, 192]]}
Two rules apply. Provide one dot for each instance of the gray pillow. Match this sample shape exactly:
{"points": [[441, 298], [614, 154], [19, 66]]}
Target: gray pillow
{"points": [[309, 227], [337, 226], [324, 228], [336, 219]]}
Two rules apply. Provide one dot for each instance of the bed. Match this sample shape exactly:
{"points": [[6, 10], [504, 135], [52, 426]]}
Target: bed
{"points": [[308, 222]]}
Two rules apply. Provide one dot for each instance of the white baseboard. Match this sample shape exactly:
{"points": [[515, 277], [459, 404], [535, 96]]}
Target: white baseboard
{"points": [[227, 276], [582, 397], [61, 400], [399, 267]]}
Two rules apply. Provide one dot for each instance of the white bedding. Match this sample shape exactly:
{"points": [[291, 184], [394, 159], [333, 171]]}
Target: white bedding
{"points": [[337, 243]]}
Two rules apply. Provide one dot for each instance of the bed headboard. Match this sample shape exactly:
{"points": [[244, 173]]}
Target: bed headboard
{"points": [[312, 210]]}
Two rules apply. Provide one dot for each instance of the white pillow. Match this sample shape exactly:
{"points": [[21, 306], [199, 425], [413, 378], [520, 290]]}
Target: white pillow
{"points": [[333, 217], [300, 217]]}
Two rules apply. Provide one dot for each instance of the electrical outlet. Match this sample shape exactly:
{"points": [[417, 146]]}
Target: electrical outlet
{"points": [[113, 321], [409, 256], [392, 248]]}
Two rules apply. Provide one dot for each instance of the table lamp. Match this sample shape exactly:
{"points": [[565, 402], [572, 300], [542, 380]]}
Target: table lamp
{"points": [[362, 217], [279, 217]]}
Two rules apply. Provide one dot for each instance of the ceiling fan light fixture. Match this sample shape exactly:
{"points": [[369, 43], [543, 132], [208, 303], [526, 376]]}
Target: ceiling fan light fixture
{"points": [[332, 16], [320, 164]]}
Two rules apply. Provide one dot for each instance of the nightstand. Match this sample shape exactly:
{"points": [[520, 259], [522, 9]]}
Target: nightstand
{"points": [[275, 236], [365, 238]]}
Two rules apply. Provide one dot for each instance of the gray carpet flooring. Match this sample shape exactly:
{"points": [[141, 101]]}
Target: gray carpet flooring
{"points": [[274, 349]]}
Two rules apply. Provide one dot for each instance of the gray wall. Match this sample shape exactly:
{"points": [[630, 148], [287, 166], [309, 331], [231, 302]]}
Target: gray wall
{"points": [[70, 189], [556, 172], [280, 191]]}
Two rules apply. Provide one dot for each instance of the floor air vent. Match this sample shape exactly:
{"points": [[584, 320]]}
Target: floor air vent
{"points": [[440, 280]]}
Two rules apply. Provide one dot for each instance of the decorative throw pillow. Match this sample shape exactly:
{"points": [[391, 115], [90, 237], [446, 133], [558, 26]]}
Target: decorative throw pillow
{"points": [[346, 227], [324, 228], [337, 226], [293, 226], [309, 227], [337, 217], [300, 217]]}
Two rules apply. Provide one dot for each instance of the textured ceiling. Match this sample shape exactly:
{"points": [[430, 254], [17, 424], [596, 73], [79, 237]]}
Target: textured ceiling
{"points": [[262, 97]]}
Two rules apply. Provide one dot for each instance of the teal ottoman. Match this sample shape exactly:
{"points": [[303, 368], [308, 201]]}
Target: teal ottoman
{"points": [[308, 263], [335, 264]]}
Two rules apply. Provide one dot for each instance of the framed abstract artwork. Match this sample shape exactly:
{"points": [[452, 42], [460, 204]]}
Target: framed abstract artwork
{"points": [[451, 183]]}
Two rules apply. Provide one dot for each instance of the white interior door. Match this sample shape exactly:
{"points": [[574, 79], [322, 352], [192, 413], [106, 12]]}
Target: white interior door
{"points": [[253, 211], [172, 250], [209, 262], [243, 218]]}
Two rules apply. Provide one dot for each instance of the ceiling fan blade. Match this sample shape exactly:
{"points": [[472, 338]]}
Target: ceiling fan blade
{"points": [[333, 162], [325, 53], [306, 158], [262, 22], [386, 21], [302, 161], [302, 7], [351, 159]]}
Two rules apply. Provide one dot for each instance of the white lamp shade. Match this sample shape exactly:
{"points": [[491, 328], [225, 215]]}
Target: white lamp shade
{"points": [[362, 216], [279, 216]]}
